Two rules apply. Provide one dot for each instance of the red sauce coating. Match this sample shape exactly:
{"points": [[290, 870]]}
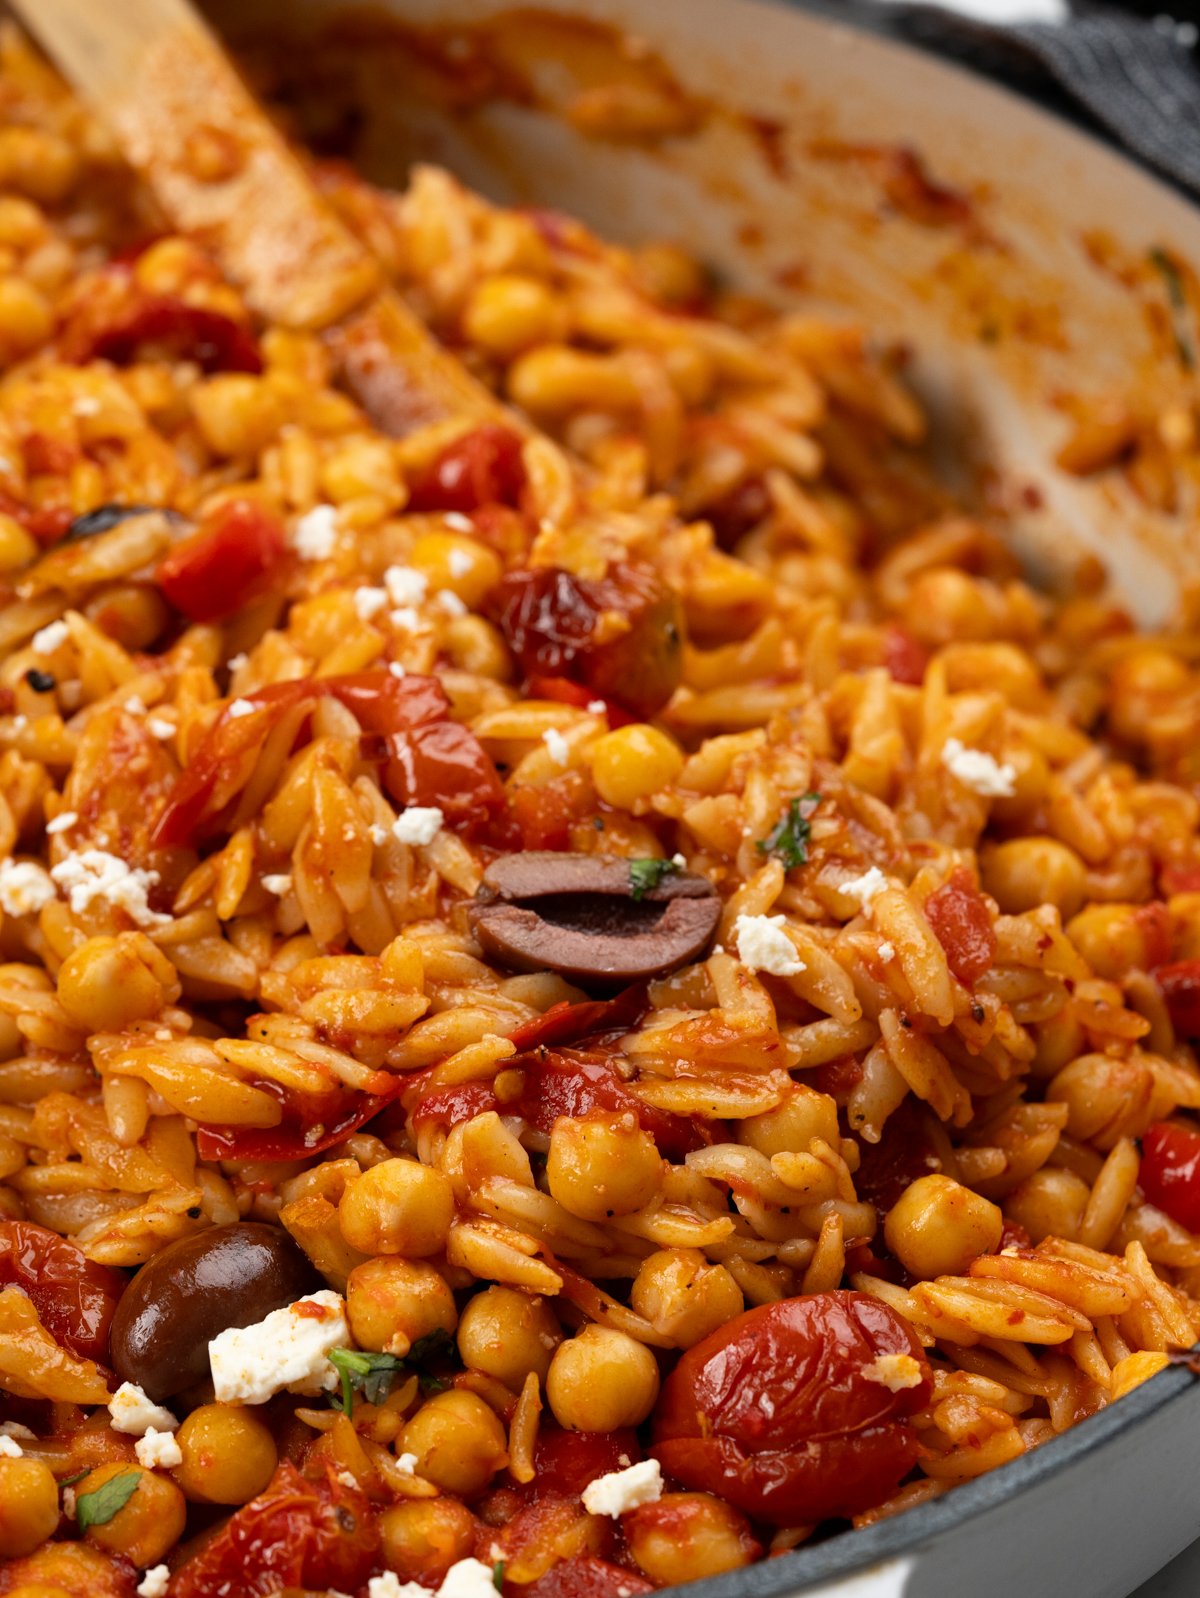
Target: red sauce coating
{"points": [[959, 916], [589, 1577], [75, 1298]]}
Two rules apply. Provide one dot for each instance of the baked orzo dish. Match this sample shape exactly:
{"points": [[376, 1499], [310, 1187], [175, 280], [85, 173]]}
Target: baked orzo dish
{"points": [[584, 1001]]}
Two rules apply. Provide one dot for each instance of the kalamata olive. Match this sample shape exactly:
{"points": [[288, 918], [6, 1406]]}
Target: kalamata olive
{"points": [[599, 921], [194, 1289], [105, 517]]}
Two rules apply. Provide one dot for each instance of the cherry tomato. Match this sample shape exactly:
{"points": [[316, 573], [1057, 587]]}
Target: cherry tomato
{"points": [[1170, 1173], [565, 1462], [121, 322], [1180, 984], [544, 816], [959, 917], [444, 764], [589, 1577], [235, 556], [775, 1411], [296, 1533], [565, 692], [74, 1297], [738, 512], [483, 467], [448, 1106], [905, 1152], [1153, 921], [552, 622], [906, 660], [576, 1083], [302, 1133]]}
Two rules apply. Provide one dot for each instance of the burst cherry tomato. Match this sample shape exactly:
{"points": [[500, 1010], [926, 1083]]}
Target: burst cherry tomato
{"points": [[236, 556], [74, 1297], [122, 322], [1180, 984], [556, 625], [777, 1413], [576, 1082], [1170, 1173], [588, 1577], [296, 1533], [906, 660], [959, 917], [483, 467]]}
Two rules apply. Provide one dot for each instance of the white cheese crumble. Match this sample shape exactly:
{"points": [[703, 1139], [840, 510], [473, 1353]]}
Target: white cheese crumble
{"points": [[13, 1428], [314, 536], [406, 618], [405, 585], [622, 1490], [24, 888], [158, 1450], [134, 1413], [598, 707], [418, 824], [763, 945], [397, 669], [155, 1583], [469, 1578], [866, 888], [979, 771], [237, 708], [560, 749], [10, 1449], [47, 639], [886, 952], [379, 836], [369, 602], [389, 1585], [236, 662], [459, 523], [448, 601], [279, 882], [135, 705], [406, 1464], [95, 874], [459, 560], [69, 1502], [63, 820], [894, 1371], [288, 1349], [160, 728]]}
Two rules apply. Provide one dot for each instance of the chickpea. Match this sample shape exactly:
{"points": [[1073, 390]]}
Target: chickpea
{"points": [[507, 1334], [687, 1536], [147, 1524], [425, 1536], [458, 1440], [107, 983], [237, 414], [601, 1380], [1050, 1203], [803, 1115], [1114, 939], [1027, 872], [600, 1167], [632, 763], [228, 1455], [28, 1505], [510, 312], [937, 1227], [392, 1303], [684, 1296], [17, 548], [26, 317], [399, 1207], [463, 565]]}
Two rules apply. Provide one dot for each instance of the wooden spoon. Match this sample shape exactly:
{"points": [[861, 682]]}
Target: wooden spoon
{"points": [[224, 176]]}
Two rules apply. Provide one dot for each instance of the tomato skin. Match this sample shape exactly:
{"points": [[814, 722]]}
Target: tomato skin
{"points": [[962, 925], [565, 1462], [236, 556], [297, 1533], [773, 1412], [589, 1577], [905, 1152], [293, 1140], [738, 512], [1170, 1172], [444, 764], [483, 467], [905, 659], [577, 1083], [119, 318], [550, 619], [1180, 984], [74, 1297]]}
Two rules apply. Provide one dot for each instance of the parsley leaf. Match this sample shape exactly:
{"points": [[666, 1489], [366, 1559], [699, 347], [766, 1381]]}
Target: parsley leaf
{"points": [[1177, 297], [434, 1342], [69, 1481], [98, 1508], [788, 838], [370, 1374], [647, 874], [498, 1570]]}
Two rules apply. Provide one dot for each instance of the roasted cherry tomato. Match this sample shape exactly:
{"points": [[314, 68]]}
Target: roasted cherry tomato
{"points": [[302, 1133], [121, 322], [785, 1413], [575, 1082], [905, 659], [565, 1462], [296, 1533], [959, 917], [589, 1577], [483, 467], [1180, 984], [235, 556], [738, 512], [1170, 1173], [75, 1298], [558, 625], [905, 1152]]}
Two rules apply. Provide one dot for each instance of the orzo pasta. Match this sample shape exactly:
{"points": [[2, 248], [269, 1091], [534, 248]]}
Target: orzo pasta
{"points": [[582, 1002]]}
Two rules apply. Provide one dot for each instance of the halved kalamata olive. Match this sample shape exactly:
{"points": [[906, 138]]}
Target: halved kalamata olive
{"points": [[105, 517], [599, 921], [194, 1289]]}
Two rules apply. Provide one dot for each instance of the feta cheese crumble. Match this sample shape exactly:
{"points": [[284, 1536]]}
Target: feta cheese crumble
{"points": [[397, 668], [237, 708], [160, 728], [886, 952], [95, 874], [13, 1428], [405, 586], [448, 601], [459, 523], [418, 824], [134, 1413], [559, 748], [368, 602], [278, 882], [10, 1448], [406, 1464], [389, 1585], [459, 560], [979, 771], [236, 662], [24, 888], [288, 1349], [763, 945], [866, 888], [622, 1490], [406, 618], [63, 820], [894, 1371], [314, 536], [158, 1449], [469, 1578], [155, 1583], [47, 639], [598, 707]]}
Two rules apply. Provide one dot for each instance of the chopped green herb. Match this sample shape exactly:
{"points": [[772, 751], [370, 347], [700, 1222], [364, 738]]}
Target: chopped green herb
{"points": [[370, 1374], [647, 874], [1180, 310], [788, 838], [98, 1508], [430, 1384], [498, 1570], [433, 1343], [69, 1481]]}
